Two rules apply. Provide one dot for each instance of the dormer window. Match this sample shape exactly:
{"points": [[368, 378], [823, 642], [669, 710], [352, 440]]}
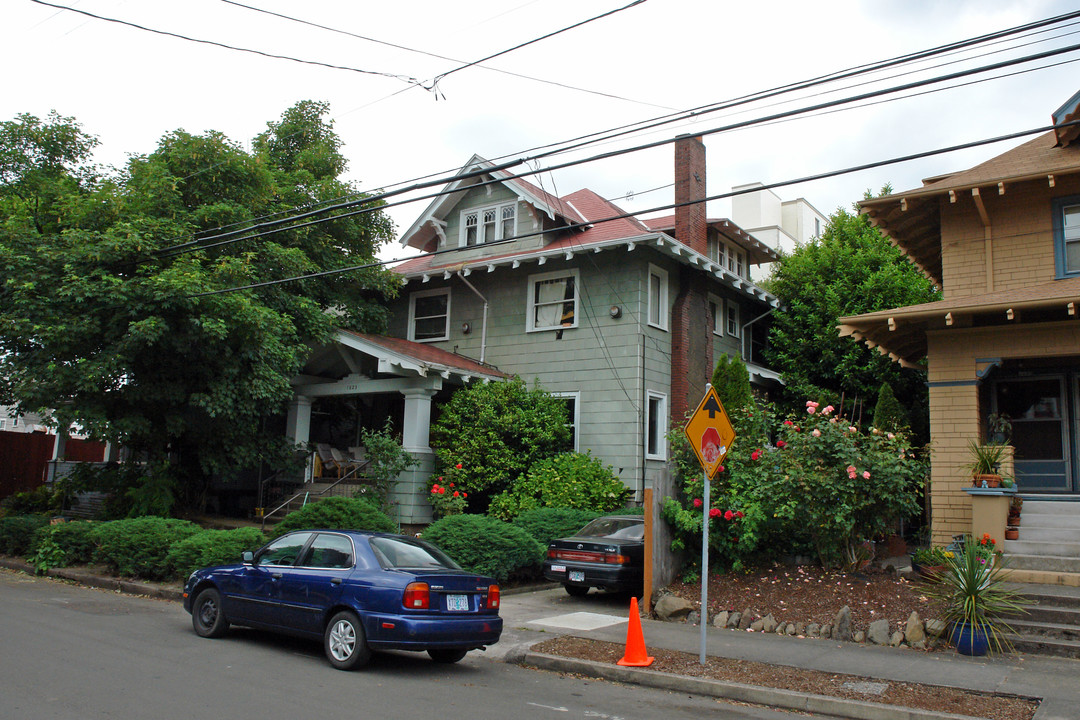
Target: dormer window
{"points": [[484, 225], [735, 259]]}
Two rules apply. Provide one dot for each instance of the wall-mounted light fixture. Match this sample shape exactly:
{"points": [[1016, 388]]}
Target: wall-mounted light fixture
{"points": [[465, 328], [615, 311]]}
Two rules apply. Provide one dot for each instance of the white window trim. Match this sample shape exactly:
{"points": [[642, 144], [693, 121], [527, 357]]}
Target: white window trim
{"points": [[662, 300], [731, 315], [412, 314], [498, 209], [661, 425], [720, 321], [576, 420], [530, 305]]}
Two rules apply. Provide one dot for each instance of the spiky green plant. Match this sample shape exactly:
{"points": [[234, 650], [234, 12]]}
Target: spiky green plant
{"points": [[973, 591]]}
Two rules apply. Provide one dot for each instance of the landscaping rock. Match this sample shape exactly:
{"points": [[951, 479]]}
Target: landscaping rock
{"points": [[791, 629], [842, 627], [826, 630], [672, 607], [781, 628], [935, 628], [919, 645], [768, 623], [800, 628], [915, 631], [813, 630], [721, 619], [694, 618], [878, 633], [734, 619], [758, 625], [860, 637], [897, 639], [746, 619]]}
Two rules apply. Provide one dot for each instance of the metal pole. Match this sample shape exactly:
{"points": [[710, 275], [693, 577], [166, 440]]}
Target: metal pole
{"points": [[704, 565]]}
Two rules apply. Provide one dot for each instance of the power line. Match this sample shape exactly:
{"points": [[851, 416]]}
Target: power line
{"points": [[671, 206], [271, 227]]}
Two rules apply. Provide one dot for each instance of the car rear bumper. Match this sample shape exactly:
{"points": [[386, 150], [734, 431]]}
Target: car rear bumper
{"points": [[608, 577], [419, 633]]}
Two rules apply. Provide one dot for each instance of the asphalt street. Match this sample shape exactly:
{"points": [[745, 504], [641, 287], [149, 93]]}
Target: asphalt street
{"points": [[74, 652]]}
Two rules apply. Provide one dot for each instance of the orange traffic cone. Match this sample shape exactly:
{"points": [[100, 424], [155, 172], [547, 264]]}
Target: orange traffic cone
{"points": [[636, 655]]}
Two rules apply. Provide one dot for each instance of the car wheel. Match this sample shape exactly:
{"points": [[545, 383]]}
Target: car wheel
{"points": [[344, 642], [442, 655], [206, 615], [577, 590]]}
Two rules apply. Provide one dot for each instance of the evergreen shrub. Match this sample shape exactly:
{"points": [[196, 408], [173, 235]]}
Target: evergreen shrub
{"points": [[74, 539], [487, 545], [212, 547], [549, 523], [337, 513], [567, 480], [138, 547], [17, 533]]}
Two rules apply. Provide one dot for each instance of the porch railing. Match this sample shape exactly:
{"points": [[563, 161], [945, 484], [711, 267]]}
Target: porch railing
{"points": [[331, 490]]}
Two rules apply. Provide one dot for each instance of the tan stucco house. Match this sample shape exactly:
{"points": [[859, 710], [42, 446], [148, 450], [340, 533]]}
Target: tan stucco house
{"points": [[1002, 241]]}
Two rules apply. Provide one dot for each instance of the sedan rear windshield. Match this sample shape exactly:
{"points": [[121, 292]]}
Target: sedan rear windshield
{"points": [[622, 528], [395, 552]]}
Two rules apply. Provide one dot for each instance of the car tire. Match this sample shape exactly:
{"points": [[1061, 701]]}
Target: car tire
{"points": [[344, 642], [207, 615], [446, 656], [576, 590]]}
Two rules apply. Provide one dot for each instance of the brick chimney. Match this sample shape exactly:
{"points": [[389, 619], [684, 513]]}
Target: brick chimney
{"points": [[691, 335]]}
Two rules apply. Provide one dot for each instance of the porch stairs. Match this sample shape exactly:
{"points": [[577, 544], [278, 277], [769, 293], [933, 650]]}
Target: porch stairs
{"points": [[1045, 561], [310, 493]]}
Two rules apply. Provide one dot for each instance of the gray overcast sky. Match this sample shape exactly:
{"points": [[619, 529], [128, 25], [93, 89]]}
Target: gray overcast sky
{"points": [[129, 86]]}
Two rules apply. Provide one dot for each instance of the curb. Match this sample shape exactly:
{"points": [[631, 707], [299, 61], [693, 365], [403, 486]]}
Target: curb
{"points": [[129, 587], [772, 697]]}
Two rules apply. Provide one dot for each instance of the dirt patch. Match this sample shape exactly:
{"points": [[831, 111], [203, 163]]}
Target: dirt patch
{"points": [[851, 687]]}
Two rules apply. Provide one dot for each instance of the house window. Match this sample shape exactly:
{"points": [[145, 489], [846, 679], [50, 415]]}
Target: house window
{"points": [[735, 260], [573, 408], [429, 315], [716, 312], [553, 301], [655, 425], [3, 423], [484, 225], [733, 319], [717, 251], [658, 297]]}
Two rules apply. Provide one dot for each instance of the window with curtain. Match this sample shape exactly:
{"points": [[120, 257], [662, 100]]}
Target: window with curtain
{"points": [[553, 301]]}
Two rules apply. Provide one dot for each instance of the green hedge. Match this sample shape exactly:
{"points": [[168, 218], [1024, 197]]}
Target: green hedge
{"points": [[71, 543], [568, 480], [17, 533], [212, 547], [337, 513], [487, 545], [138, 547], [547, 524]]}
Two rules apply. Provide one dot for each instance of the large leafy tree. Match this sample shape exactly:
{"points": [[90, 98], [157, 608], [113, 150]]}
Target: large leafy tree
{"points": [[110, 315], [851, 269]]}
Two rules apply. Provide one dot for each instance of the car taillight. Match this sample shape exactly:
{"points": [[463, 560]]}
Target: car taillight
{"points": [[417, 596], [552, 553], [493, 597], [578, 556], [611, 559]]}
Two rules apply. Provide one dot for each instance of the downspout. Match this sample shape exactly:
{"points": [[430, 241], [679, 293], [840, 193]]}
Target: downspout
{"points": [[483, 323], [745, 337]]}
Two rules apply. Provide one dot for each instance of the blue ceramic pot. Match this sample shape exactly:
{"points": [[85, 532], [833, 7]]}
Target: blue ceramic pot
{"points": [[969, 640]]}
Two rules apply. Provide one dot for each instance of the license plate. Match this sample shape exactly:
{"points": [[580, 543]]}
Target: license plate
{"points": [[577, 576], [457, 602], [558, 568]]}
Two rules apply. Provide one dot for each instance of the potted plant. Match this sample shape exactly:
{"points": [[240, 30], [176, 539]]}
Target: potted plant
{"points": [[975, 598], [929, 561], [985, 460], [1016, 504], [998, 428]]}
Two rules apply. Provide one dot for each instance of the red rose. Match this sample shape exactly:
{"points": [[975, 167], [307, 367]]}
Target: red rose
{"points": [[434, 489], [781, 443], [728, 515], [697, 502], [464, 494], [458, 466], [739, 514], [719, 469], [715, 512], [788, 422], [442, 491], [755, 455], [455, 493], [451, 484]]}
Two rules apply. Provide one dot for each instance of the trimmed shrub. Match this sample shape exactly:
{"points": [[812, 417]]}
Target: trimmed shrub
{"points": [[212, 547], [138, 547], [731, 380], [337, 513], [568, 480], [73, 540], [889, 414], [487, 545], [547, 524], [30, 502], [17, 533]]}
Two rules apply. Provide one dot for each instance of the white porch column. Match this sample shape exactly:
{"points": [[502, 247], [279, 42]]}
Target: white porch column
{"points": [[416, 430], [60, 445], [298, 421]]}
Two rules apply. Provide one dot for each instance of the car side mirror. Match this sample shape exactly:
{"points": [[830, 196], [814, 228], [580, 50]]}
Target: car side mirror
{"points": [[248, 557]]}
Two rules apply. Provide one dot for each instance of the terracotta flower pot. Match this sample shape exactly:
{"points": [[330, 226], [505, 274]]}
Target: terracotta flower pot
{"points": [[991, 480], [1012, 534]]}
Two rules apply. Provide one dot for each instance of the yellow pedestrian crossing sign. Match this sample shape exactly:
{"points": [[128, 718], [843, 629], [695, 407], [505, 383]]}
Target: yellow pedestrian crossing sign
{"points": [[710, 432]]}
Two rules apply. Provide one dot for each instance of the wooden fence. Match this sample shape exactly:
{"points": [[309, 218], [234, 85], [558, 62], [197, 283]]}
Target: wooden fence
{"points": [[24, 458]]}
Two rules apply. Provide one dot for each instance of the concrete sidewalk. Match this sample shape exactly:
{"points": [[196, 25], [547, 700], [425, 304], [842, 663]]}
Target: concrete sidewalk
{"points": [[532, 616]]}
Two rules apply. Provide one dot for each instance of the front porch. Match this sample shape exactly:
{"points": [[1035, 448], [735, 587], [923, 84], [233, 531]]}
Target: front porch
{"points": [[361, 381]]}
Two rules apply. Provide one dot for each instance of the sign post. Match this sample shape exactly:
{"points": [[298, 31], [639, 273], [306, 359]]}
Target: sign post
{"points": [[710, 434]]}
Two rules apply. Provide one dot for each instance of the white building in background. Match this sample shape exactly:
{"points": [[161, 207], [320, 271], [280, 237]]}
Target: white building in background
{"points": [[779, 224], [21, 423]]}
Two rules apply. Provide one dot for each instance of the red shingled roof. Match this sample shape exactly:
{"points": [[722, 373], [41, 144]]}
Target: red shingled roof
{"points": [[429, 354]]}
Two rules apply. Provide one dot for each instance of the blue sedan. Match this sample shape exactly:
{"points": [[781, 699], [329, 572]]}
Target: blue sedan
{"points": [[356, 591]]}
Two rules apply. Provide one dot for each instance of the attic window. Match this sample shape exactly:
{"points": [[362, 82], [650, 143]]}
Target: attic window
{"points": [[736, 261], [484, 225]]}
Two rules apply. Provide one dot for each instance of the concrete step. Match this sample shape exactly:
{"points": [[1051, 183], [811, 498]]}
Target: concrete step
{"points": [[1051, 507], [1044, 563], [1048, 535], [1029, 546], [1054, 631], [1049, 520], [1052, 596], [1068, 616], [1037, 645], [1065, 580]]}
